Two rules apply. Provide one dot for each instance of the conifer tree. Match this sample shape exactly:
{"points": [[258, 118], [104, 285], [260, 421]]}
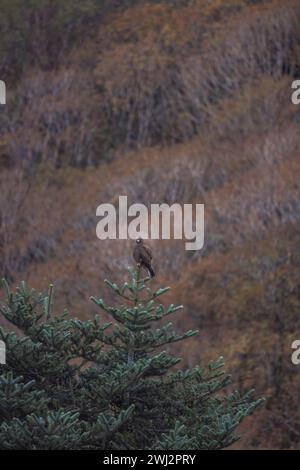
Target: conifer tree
{"points": [[73, 384]]}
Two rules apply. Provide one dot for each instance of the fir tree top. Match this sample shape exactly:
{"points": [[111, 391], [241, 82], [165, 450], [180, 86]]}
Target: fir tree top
{"points": [[73, 384]]}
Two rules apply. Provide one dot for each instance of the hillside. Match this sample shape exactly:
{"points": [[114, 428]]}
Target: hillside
{"points": [[163, 101]]}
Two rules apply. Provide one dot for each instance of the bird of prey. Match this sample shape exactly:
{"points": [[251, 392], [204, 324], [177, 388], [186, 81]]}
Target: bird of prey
{"points": [[143, 256]]}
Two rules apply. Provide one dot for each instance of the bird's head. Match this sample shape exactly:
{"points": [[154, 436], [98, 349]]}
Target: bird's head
{"points": [[139, 241]]}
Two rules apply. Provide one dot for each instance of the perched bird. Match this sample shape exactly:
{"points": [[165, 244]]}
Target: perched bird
{"points": [[143, 256]]}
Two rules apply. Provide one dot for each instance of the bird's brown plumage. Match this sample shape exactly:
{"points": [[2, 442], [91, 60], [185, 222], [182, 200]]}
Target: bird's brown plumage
{"points": [[143, 256]]}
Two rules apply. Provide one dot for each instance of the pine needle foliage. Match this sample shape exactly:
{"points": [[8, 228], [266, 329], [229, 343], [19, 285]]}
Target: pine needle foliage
{"points": [[73, 384]]}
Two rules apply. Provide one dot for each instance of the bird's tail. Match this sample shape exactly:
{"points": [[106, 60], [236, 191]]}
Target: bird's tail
{"points": [[151, 271]]}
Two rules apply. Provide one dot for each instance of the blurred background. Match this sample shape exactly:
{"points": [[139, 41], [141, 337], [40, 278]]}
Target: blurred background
{"points": [[183, 101]]}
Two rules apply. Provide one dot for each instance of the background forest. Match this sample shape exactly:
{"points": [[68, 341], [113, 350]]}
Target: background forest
{"points": [[164, 101]]}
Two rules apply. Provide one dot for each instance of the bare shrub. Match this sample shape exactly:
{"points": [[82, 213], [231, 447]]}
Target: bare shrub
{"points": [[39, 33], [50, 119], [258, 42], [14, 188], [258, 202], [141, 96], [259, 106], [156, 88]]}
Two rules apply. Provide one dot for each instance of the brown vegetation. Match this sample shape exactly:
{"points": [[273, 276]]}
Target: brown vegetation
{"points": [[185, 101]]}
